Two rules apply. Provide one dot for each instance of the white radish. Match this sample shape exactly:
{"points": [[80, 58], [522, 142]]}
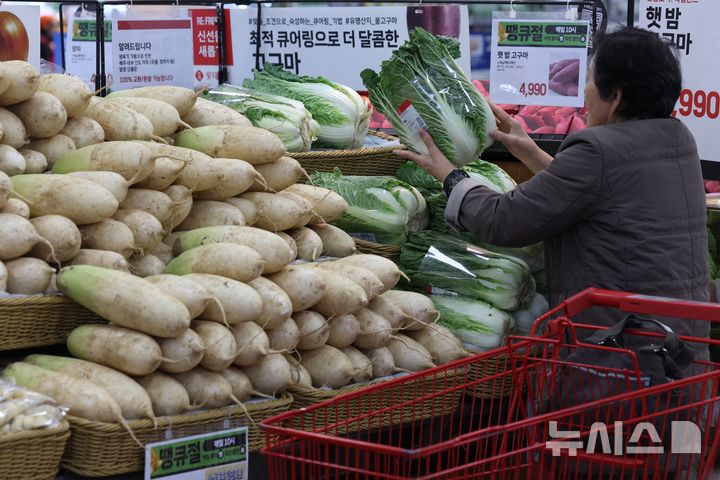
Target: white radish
{"points": [[375, 331], [3, 278], [16, 207], [182, 205], [341, 295], [164, 117], [309, 244], [328, 367], [278, 175], [237, 177], [23, 82], [110, 181], [162, 251], [100, 258], [189, 292], [385, 269], [208, 213], [18, 236], [383, 362], [344, 330], [390, 311], [252, 344], [250, 213], [277, 306], [125, 300], [409, 354], [147, 230], [167, 395], [206, 112], [276, 212], [230, 260], [367, 280], [284, 338], [5, 188], [183, 99], [165, 172], [28, 276], [181, 353], [146, 265], [234, 302], [304, 286], [328, 205], [14, 132], [71, 91], [336, 242], [11, 161], [53, 148], [128, 351], [251, 144], [291, 243], [35, 162], [305, 208], [83, 131], [43, 115], [109, 235], [270, 375], [118, 121], [418, 307], [240, 383], [220, 346], [444, 347], [133, 160], [314, 330], [207, 388], [361, 364], [155, 203]]}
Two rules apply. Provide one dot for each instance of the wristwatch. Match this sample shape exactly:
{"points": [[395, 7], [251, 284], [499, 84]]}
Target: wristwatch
{"points": [[453, 178]]}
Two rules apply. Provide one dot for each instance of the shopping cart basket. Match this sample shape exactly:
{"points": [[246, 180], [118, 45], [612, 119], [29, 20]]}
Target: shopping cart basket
{"points": [[431, 425]]}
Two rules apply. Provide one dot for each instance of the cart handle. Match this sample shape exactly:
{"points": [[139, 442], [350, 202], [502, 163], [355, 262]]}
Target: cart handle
{"points": [[642, 304]]}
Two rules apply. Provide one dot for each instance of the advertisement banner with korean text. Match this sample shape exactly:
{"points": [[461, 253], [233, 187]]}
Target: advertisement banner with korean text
{"points": [[20, 33], [691, 26], [80, 46], [536, 61], [337, 42]]}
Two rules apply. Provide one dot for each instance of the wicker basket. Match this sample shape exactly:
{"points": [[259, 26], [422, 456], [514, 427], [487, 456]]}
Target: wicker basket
{"points": [[388, 251], [34, 454], [36, 321], [373, 161], [378, 401], [99, 449]]}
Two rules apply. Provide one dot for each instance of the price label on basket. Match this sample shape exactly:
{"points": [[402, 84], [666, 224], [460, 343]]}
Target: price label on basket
{"points": [[691, 27], [212, 456], [539, 62]]}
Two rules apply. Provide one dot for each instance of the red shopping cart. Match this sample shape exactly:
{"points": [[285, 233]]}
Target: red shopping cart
{"points": [[444, 423]]}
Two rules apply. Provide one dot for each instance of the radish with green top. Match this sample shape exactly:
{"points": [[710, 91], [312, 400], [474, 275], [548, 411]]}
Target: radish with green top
{"points": [[110, 181], [251, 144], [125, 300], [133, 160], [134, 402], [128, 351]]}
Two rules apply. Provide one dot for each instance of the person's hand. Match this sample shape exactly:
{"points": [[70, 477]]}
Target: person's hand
{"points": [[435, 162]]}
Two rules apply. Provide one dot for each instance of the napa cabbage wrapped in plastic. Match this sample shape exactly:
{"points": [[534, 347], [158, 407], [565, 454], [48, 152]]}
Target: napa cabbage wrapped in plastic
{"points": [[422, 74], [340, 111], [381, 209], [476, 324]]}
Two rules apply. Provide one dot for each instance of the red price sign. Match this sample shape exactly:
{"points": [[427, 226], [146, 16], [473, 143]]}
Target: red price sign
{"points": [[533, 89], [698, 103]]}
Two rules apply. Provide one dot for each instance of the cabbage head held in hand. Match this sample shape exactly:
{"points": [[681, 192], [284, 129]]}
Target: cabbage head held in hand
{"points": [[423, 73]]}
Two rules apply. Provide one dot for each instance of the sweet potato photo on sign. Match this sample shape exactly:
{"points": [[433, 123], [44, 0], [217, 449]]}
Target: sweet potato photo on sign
{"points": [[564, 77]]}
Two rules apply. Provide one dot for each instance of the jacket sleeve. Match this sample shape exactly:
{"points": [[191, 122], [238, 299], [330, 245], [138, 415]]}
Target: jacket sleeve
{"points": [[543, 207]]}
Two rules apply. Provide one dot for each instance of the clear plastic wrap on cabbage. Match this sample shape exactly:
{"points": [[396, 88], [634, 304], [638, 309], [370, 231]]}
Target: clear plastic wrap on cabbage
{"points": [[285, 117], [423, 73]]}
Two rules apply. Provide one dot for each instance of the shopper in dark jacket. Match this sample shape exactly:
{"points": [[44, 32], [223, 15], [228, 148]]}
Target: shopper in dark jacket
{"points": [[621, 206]]}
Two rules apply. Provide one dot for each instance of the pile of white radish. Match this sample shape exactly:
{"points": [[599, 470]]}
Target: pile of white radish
{"points": [[186, 228]]}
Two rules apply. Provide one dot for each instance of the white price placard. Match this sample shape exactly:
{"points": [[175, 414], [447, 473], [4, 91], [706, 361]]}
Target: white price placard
{"points": [[539, 62], [152, 52], [337, 42], [691, 26], [20, 33], [80, 49]]}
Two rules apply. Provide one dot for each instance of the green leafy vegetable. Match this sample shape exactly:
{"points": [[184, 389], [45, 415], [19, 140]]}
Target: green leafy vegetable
{"points": [[474, 322], [382, 206], [342, 114], [423, 71], [450, 264], [285, 117]]}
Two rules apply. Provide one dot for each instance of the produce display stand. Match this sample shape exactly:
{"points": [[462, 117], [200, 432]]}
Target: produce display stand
{"points": [[474, 437], [32, 454], [98, 449], [40, 321]]}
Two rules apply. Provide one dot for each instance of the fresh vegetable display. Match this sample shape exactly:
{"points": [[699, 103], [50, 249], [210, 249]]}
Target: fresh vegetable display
{"points": [[422, 75], [385, 208], [342, 114]]}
